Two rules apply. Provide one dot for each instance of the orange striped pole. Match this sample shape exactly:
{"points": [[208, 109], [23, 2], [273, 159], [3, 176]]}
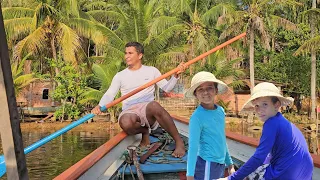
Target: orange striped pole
{"points": [[174, 71]]}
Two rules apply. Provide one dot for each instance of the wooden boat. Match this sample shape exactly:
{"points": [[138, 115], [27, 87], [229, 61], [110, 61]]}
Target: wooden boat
{"points": [[106, 161]]}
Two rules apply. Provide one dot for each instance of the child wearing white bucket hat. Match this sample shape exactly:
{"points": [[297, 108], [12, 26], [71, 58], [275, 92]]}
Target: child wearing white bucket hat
{"points": [[208, 152], [281, 140]]}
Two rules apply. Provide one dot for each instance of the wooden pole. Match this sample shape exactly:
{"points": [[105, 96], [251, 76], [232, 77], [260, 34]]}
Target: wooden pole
{"points": [[9, 117]]}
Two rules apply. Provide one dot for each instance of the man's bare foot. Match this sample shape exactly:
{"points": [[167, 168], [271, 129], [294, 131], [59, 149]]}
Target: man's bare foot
{"points": [[145, 141], [180, 151]]}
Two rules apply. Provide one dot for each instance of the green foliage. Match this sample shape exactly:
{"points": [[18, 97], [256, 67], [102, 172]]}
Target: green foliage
{"points": [[224, 105], [21, 80], [285, 68], [71, 85], [95, 32]]}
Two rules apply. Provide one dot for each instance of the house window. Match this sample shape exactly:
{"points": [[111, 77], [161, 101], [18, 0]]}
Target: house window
{"points": [[45, 94]]}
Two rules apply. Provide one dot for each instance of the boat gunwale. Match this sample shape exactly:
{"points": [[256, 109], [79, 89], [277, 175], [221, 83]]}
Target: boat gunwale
{"points": [[75, 171], [78, 169]]}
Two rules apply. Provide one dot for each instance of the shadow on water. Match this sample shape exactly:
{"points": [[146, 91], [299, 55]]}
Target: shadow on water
{"points": [[56, 156]]}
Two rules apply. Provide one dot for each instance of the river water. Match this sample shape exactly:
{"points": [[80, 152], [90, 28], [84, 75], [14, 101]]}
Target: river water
{"points": [[58, 155]]}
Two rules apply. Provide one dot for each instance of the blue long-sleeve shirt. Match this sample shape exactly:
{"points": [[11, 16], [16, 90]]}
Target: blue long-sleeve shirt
{"points": [[207, 138], [290, 157]]}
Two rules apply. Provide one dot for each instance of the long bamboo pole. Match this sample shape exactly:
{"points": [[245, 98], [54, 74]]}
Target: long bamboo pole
{"points": [[172, 71]]}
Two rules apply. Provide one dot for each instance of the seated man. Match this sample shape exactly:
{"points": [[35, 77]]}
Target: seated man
{"points": [[140, 112]]}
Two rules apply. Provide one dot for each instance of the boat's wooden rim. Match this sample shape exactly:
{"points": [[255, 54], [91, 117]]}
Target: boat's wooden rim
{"points": [[87, 162], [75, 171]]}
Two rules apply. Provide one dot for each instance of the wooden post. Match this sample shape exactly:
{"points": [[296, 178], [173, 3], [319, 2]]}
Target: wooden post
{"points": [[9, 117]]}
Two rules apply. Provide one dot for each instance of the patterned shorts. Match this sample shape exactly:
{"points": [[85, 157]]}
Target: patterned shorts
{"points": [[258, 174]]}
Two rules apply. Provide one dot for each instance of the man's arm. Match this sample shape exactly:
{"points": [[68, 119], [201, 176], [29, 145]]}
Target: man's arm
{"points": [[109, 95], [165, 85]]}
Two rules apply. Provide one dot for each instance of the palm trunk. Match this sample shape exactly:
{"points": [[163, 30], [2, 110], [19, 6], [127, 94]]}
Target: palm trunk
{"points": [[27, 66], [251, 60], [54, 56], [54, 53], [313, 69]]}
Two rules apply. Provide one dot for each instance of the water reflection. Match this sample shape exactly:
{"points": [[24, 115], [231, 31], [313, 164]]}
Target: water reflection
{"points": [[56, 156]]}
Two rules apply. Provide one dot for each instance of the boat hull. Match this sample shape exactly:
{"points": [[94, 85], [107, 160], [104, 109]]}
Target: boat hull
{"points": [[105, 162]]}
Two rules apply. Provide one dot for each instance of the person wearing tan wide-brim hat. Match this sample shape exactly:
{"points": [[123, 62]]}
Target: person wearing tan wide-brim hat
{"points": [[282, 152], [266, 89], [207, 138], [202, 77]]}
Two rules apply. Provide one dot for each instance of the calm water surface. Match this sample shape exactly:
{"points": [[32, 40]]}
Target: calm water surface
{"points": [[58, 155]]}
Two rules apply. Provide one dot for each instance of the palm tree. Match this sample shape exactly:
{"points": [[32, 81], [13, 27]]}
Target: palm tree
{"points": [[50, 28], [199, 24], [251, 19], [312, 46], [142, 21]]}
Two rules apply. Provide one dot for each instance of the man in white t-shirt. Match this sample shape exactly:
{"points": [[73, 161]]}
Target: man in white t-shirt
{"points": [[140, 112]]}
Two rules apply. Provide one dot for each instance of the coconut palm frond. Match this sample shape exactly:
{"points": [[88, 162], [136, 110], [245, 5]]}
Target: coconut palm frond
{"points": [[104, 73], [200, 43], [170, 59], [162, 23], [217, 11], [91, 96], [22, 81], [69, 42], [151, 8], [237, 84], [232, 30], [161, 40], [306, 47], [179, 6], [315, 12], [98, 5], [18, 28], [34, 43], [43, 11], [17, 12], [103, 16], [284, 23], [69, 7], [114, 52]]}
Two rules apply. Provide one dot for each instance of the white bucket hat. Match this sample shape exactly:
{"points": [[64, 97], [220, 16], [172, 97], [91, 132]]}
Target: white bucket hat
{"points": [[202, 77], [266, 89]]}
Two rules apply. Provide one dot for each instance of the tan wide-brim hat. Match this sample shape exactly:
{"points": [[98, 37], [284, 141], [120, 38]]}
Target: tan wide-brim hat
{"points": [[202, 77], [266, 89]]}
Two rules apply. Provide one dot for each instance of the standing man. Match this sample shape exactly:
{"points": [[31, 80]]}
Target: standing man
{"points": [[140, 113]]}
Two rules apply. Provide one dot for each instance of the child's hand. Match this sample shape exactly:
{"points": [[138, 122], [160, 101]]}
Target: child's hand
{"points": [[231, 169], [190, 178]]}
